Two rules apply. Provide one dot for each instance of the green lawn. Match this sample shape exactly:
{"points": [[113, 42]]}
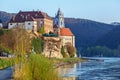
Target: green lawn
{"points": [[6, 62]]}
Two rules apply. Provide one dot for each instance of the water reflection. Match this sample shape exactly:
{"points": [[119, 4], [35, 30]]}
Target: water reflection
{"points": [[68, 72], [109, 69]]}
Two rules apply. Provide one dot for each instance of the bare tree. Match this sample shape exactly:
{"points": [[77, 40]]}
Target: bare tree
{"points": [[52, 45]]}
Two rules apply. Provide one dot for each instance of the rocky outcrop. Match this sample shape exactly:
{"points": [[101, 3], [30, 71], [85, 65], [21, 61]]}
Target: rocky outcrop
{"points": [[52, 47]]}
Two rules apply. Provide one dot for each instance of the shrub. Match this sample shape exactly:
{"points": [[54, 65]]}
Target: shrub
{"points": [[37, 44], [71, 50], [37, 67], [65, 54], [13, 40], [63, 51]]}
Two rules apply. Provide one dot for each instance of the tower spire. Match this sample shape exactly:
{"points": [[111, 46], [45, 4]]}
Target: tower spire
{"points": [[59, 19]]}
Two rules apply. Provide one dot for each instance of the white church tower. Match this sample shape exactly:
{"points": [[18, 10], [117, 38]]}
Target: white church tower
{"points": [[59, 19]]}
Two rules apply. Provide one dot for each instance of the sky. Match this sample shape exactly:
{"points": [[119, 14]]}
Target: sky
{"points": [[106, 11]]}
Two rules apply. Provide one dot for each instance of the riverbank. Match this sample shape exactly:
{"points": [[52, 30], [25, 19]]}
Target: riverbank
{"points": [[7, 62], [88, 59], [67, 61]]}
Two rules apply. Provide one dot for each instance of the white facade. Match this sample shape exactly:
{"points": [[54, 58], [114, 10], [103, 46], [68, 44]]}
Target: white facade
{"points": [[28, 25], [12, 25], [68, 39], [1, 25]]}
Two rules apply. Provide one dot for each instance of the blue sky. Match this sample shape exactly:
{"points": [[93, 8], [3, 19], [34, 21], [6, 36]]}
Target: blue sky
{"points": [[99, 10]]}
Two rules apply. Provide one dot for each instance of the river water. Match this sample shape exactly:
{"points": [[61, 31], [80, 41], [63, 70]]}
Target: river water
{"points": [[109, 69]]}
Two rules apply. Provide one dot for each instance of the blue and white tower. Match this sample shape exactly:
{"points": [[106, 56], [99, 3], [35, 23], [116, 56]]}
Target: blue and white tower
{"points": [[59, 19]]}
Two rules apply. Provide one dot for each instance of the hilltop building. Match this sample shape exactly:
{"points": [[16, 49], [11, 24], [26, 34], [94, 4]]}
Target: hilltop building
{"points": [[55, 34], [1, 25], [32, 20], [65, 33]]}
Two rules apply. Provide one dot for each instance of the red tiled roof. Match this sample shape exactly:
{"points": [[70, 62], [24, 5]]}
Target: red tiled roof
{"points": [[65, 32], [29, 16]]}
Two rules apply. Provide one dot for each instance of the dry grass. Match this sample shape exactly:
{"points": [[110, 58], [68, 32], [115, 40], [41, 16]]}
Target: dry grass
{"points": [[37, 67]]}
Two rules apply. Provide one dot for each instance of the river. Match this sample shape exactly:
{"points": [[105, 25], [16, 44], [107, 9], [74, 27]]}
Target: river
{"points": [[109, 69]]}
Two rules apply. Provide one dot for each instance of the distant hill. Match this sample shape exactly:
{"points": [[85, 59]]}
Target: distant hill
{"points": [[110, 39], [5, 17], [86, 32], [115, 23]]}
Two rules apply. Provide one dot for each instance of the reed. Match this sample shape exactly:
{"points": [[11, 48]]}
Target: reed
{"points": [[36, 67]]}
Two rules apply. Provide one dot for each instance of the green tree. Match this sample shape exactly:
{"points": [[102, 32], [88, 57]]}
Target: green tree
{"points": [[99, 51], [37, 44]]}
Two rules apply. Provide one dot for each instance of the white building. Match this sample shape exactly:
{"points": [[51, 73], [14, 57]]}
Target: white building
{"points": [[32, 20]]}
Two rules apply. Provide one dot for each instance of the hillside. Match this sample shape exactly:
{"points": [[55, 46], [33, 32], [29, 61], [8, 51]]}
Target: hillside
{"points": [[110, 39], [5, 17], [87, 31]]}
